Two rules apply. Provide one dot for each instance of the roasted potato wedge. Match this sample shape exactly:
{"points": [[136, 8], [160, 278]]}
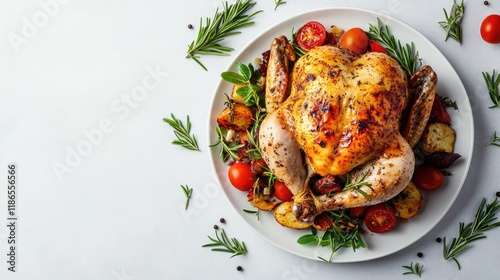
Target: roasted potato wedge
{"points": [[284, 216], [408, 202], [242, 118], [438, 137], [262, 204]]}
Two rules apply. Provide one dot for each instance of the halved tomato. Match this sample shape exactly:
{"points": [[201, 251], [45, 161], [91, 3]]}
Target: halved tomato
{"points": [[311, 35], [380, 218]]}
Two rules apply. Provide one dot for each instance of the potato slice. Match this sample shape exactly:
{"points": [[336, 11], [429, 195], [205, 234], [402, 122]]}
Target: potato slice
{"points": [[438, 137], [408, 202], [260, 203], [284, 216], [242, 118]]}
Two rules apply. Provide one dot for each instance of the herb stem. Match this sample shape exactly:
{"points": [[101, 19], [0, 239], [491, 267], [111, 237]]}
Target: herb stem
{"points": [[182, 133], [493, 84]]}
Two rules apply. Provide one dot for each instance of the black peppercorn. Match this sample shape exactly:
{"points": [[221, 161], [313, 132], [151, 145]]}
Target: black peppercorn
{"points": [[239, 268], [190, 26], [222, 220], [486, 2], [498, 194], [419, 254], [216, 227], [438, 240]]}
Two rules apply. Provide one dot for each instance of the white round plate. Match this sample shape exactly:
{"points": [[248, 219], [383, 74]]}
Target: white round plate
{"points": [[436, 203]]}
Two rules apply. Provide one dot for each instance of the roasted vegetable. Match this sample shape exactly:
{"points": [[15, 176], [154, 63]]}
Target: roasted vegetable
{"points": [[235, 96], [438, 137], [284, 216], [408, 202], [238, 118], [441, 159]]}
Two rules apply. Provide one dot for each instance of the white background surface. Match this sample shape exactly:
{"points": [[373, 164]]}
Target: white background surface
{"points": [[118, 211]]}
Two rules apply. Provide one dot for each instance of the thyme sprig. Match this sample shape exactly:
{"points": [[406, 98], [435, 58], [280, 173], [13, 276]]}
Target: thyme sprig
{"points": [[187, 192], [224, 23], [405, 55], [246, 76], [414, 269], [493, 84], [182, 133], [224, 244], [357, 185], [483, 221], [452, 24], [496, 140], [229, 149]]}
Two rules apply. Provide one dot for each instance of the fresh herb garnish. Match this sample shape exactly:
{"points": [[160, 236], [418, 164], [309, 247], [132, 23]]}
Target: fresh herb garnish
{"points": [[182, 133], [298, 50], [342, 234], [414, 269], [256, 212], [225, 244], [278, 2], [187, 192], [447, 102], [496, 140], [483, 221], [229, 149], [357, 185], [452, 24], [246, 76], [405, 55], [224, 23], [493, 84]]}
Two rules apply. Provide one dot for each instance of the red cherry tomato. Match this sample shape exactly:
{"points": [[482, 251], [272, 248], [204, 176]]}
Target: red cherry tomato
{"points": [[357, 212], [428, 178], [380, 218], [312, 34], [490, 29], [376, 47], [355, 39], [282, 192], [241, 176]]}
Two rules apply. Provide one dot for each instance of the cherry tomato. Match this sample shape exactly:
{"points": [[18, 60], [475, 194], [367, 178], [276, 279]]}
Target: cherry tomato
{"points": [[357, 212], [240, 175], [312, 34], [355, 39], [282, 192], [428, 178], [376, 47], [490, 29], [380, 218]]}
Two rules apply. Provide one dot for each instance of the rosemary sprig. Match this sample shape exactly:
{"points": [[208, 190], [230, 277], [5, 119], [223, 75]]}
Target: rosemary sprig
{"points": [[452, 24], [256, 212], [414, 269], [483, 221], [496, 140], [405, 55], [187, 192], [278, 2], [247, 76], [493, 84], [224, 23], [229, 149], [357, 185], [182, 133], [225, 244]]}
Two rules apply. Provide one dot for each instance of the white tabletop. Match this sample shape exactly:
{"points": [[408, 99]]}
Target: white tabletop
{"points": [[84, 86]]}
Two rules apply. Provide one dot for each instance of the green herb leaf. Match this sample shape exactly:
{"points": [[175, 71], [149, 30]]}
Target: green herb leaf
{"points": [[452, 24], [182, 133], [225, 244], [187, 192], [233, 78], [493, 84], [308, 238], [496, 140], [414, 269], [277, 3]]}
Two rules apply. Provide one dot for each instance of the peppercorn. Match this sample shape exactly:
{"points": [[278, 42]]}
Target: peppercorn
{"points": [[419, 254], [498, 194], [190, 26], [216, 227], [438, 240], [486, 2], [222, 220], [239, 268]]}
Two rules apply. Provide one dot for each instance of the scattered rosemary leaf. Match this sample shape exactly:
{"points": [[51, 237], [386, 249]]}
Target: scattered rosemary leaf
{"points": [[256, 212], [496, 140], [452, 24], [187, 192], [278, 2], [414, 269], [493, 84], [483, 221], [224, 23], [224, 244], [182, 133]]}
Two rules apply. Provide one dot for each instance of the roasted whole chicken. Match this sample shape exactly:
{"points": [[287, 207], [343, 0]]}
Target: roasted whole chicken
{"points": [[336, 113]]}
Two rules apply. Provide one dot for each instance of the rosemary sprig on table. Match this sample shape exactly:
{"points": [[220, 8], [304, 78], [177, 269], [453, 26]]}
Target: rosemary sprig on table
{"points": [[224, 23], [414, 269], [493, 84], [246, 76], [187, 192], [496, 140], [357, 185], [483, 221], [452, 24], [224, 244], [278, 2], [405, 55], [182, 133], [256, 212]]}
